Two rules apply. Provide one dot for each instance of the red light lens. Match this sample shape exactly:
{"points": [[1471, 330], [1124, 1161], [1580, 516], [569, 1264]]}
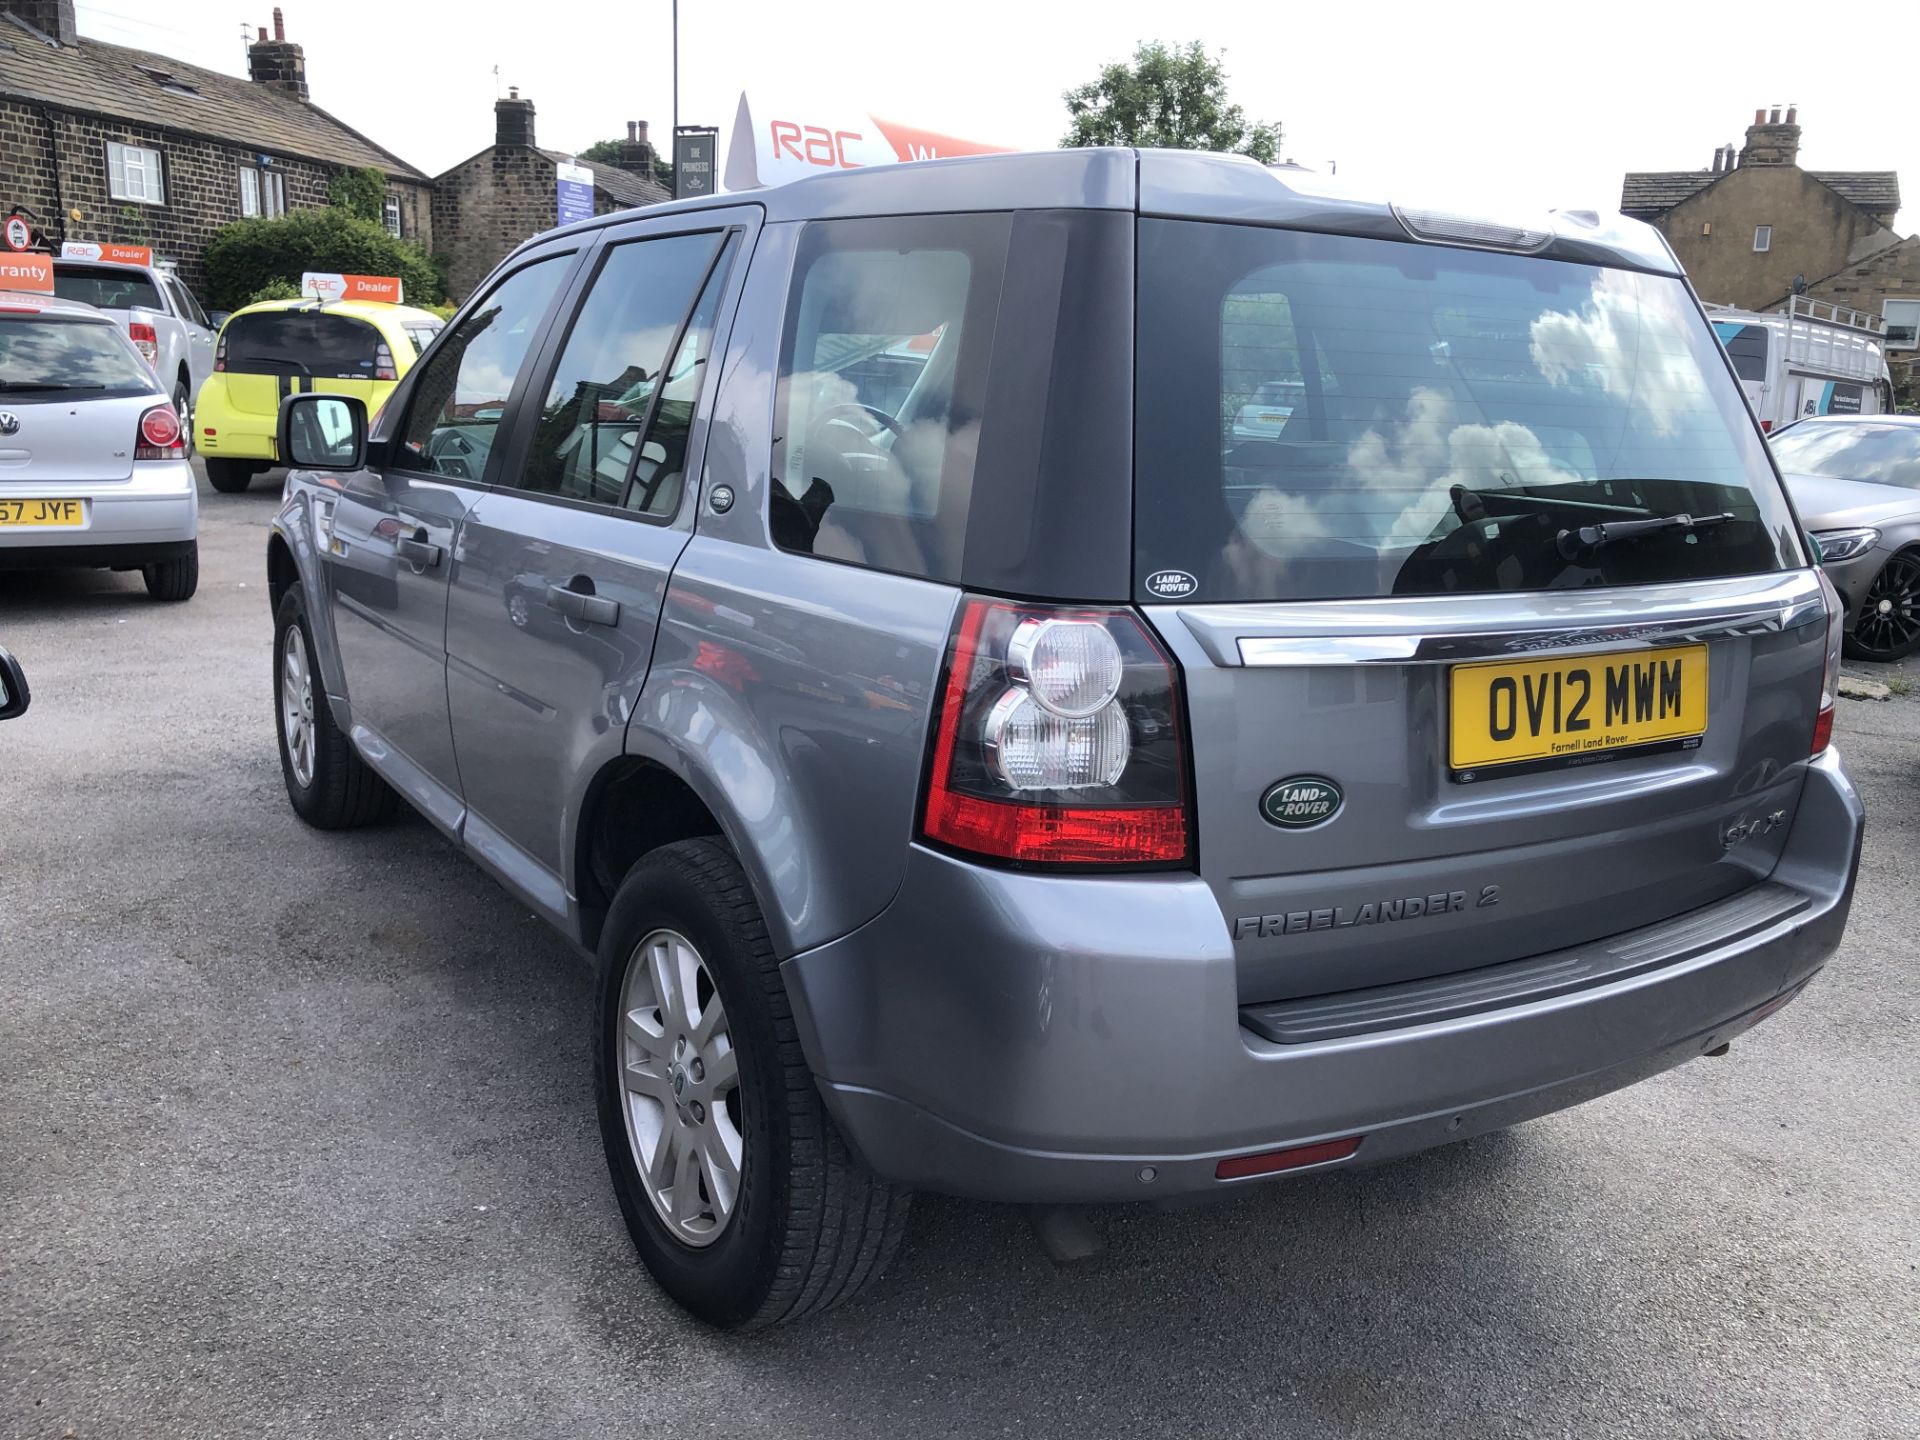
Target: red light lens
{"points": [[1822, 730], [159, 437], [1141, 819], [1271, 1162], [1766, 426]]}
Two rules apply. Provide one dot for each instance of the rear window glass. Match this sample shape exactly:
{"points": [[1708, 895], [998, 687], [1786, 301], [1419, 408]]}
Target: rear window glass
{"points": [[53, 355], [109, 287], [883, 370], [302, 342], [1746, 347], [1325, 417], [1884, 454]]}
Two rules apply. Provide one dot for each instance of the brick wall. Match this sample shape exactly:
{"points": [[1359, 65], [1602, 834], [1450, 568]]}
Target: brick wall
{"points": [[1893, 273], [201, 176], [484, 207]]}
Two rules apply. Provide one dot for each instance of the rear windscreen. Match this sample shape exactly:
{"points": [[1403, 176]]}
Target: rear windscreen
{"points": [[1746, 348], [301, 342], [1323, 417], [109, 287], [58, 355]]}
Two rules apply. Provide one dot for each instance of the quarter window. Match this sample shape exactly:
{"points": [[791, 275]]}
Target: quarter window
{"points": [[882, 379], [618, 412], [462, 393], [1762, 238], [133, 173]]}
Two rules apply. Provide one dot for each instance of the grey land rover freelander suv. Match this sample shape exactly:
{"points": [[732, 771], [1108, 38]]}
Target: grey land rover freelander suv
{"points": [[862, 616]]}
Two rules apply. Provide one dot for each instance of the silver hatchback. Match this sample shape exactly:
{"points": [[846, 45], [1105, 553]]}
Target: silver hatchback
{"points": [[93, 461], [859, 616]]}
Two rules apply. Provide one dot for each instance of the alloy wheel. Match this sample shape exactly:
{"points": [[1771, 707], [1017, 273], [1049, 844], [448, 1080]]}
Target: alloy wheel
{"points": [[680, 1088], [1889, 619], [296, 705]]}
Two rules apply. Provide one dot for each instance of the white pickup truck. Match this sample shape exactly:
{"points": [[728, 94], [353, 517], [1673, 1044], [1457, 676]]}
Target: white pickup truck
{"points": [[159, 314]]}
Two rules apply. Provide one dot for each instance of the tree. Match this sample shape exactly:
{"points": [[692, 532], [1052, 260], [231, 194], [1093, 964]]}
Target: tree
{"points": [[1171, 97], [245, 258], [608, 152]]}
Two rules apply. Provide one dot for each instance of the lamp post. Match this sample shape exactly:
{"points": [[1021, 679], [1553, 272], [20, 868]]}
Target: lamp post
{"points": [[676, 67]]}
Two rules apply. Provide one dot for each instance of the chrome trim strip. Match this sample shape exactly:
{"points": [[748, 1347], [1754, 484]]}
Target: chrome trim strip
{"points": [[1438, 630]]}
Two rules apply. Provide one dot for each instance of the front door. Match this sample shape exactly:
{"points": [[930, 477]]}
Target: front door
{"points": [[390, 538], [563, 564]]}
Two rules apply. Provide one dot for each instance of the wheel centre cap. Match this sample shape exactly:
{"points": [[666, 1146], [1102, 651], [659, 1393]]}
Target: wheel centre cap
{"points": [[679, 1079]]}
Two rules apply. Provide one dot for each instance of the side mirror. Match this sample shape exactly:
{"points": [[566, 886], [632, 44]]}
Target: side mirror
{"points": [[217, 318], [323, 432], [14, 695]]}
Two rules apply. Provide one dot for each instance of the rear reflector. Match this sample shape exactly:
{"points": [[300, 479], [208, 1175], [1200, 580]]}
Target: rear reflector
{"points": [[1240, 1167]]}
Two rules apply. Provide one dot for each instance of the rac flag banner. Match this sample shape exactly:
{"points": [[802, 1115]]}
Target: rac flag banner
{"points": [[320, 285], [774, 143], [108, 251]]}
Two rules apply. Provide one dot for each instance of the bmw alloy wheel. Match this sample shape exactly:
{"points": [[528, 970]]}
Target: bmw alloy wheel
{"points": [[296, 704], [680, 1088]]}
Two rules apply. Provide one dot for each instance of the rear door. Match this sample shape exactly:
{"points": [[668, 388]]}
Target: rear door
{"points": [[199, 335], [1433, 729], [563, 563], [391, 534]]}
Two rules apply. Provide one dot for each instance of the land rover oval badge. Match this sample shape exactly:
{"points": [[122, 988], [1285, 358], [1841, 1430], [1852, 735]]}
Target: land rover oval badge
{"points": [[1300, 802]]}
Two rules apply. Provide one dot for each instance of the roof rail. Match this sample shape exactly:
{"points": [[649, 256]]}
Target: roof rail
{"points": [[1828, 313]]}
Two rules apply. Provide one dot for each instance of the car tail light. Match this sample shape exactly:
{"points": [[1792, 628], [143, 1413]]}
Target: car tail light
{"points": [[1830, 674], [145, 340], [1766, 427], [220, 352], [160, 437], [1058, 740], [383, 363]]}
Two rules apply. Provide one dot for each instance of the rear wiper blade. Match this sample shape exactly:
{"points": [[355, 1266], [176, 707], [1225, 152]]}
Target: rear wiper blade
{"points": [[1582, 544], [31, 385]]}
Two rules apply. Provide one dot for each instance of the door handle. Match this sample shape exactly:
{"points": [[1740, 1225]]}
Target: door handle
{"points": [[577, 601], [417, 550]]}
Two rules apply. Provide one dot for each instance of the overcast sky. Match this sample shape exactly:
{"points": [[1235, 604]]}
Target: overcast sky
{"points": [[1496, 104]]}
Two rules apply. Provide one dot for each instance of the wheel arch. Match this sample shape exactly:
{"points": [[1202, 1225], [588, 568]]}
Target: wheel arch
{"points": [[633, 806]]}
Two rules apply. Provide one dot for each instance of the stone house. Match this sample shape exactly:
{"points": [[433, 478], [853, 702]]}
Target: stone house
{"points": [[1755, 228], [103, 142], [487, 204]]}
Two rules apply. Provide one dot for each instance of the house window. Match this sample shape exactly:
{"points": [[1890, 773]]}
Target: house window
{"points": [[1762, 238], [262, 192], [390, 214], [1903, 323], [133, 173]]}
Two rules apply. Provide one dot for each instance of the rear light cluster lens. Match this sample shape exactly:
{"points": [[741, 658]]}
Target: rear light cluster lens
{"points": [[1830, 676], [160, 437], [220, 352], [1058, 740], [383, 363], [145, 340]]}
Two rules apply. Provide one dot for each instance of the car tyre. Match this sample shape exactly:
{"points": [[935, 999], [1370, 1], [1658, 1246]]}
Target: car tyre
{"points": [[176, 579], [1887, 625], [330, 786], [229, 477], [809, 1225]]}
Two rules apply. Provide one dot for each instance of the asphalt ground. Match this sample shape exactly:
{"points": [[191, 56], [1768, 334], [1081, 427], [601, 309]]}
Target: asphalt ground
{"points": [[296, 1139]]}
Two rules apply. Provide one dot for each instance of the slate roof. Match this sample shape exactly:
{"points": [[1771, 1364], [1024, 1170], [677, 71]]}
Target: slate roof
{"points": [[627, 189], [95, 77], [1648, 193]]}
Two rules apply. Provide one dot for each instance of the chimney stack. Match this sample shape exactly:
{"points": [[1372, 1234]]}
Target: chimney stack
{"points": [[278, 63], [52, 18], [513, 120], [636, 151], [1772, 141]]}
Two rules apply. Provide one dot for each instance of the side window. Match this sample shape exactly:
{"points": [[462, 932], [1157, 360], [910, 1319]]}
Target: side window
{"points": [[461, 396], [883, 370], [613, 427]]}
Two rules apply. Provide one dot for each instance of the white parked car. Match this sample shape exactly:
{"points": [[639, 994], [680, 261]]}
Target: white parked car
{"points": [[158, 313], [93, 458]]}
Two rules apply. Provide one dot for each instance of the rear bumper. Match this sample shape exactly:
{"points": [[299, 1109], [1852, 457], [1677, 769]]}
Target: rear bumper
{"points": [[1033, 1038], [151, 516]]}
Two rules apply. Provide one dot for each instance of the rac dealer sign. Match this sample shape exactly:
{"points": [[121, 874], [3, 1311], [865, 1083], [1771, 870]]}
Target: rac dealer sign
{"points": [[771, 145]]}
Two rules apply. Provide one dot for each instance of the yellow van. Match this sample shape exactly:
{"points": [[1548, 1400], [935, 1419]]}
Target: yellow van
{"points": [[283, 347]]}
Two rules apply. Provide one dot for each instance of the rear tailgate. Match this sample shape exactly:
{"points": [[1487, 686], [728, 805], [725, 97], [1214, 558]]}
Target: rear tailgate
{"points": [[1405, 866], [1439, 719], [72, 392]]}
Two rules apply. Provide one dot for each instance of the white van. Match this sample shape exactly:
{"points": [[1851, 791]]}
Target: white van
{"points": [[1813, 358]]}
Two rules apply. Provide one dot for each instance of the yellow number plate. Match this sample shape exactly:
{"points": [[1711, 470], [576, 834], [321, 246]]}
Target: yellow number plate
{"points": [[55, 514], [1554, 712]]}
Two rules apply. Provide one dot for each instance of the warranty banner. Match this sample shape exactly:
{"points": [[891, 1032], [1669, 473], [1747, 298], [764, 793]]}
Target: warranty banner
{"points": [[26, 272]]}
